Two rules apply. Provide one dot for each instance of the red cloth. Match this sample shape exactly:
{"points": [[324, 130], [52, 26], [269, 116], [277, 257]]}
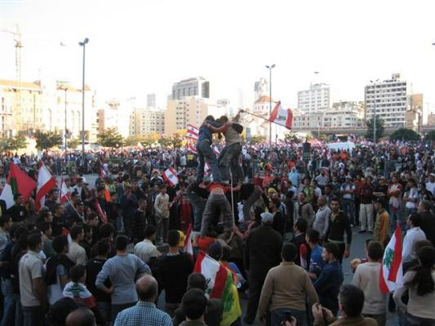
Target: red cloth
{"points": [[185, 213]]}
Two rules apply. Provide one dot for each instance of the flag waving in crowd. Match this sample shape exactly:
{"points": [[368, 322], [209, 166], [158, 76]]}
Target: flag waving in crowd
{"points": [[192, 132], [46, 183], [18, 182], [391, 271], [171, 176], [281, 116]]}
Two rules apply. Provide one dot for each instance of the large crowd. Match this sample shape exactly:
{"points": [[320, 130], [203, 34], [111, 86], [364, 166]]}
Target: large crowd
{"points": [[279, 218]]}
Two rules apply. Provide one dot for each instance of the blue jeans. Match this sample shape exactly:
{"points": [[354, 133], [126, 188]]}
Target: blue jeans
{"points": [[229, 159], [198, 205], [348, 209], [206, 154], [33, 316], [9, 302], [278, 316], [396, 217]]}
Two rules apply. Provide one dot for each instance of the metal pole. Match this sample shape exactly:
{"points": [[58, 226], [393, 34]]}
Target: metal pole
{"points": [[66, 89], [270, 105], [374, 117], [83, 101]]}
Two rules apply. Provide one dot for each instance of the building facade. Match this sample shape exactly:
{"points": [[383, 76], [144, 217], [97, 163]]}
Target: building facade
{"points": [[198, 86], [189, 110], [314, 99], [147, 121], [389, 99]]}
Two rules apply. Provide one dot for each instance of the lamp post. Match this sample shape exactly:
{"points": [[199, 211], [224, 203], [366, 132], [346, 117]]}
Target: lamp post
{"points": [[83, 44], [65, 88], [374, 111], [270, 101]]}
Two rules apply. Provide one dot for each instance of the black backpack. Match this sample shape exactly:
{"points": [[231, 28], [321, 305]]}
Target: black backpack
{"points": [[237, 127]]}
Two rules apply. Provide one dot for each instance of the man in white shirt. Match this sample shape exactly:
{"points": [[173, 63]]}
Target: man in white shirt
{"points": [[321, 221], [413, 235], [146, 249], [161, 206], [366, 277], [76, 252]]}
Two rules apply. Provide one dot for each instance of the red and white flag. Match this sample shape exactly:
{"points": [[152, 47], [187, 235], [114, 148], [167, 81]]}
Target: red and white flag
{"points": [[64, 193], [100, 212], [391, 268], [192, 149], [171, 176], [281, 116], [207, 168], [216, 150], [188, 248], [192, 132], [46, 182]]}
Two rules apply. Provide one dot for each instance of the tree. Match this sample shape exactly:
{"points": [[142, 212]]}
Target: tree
{"points": [[405, 134], [47, 140], [14, 143], [257, 139], [380, 129], [292, 137], [110, 138], [73, 143], [430, 136]]}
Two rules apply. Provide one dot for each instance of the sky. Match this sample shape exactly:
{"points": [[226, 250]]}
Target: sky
{"points": [[141, 47]]}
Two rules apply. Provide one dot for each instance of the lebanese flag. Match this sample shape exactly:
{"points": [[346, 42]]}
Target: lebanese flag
{"points": [[220, 285], [391, 268], [281, 116], [192, 149], [46, 182], [215, 274], [64, 193], [188, 242], [18, 182], [216, 150], [171, 176], [192, 132], [207, 168]]}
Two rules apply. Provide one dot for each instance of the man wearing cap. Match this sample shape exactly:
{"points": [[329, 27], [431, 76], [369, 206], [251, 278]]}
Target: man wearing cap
{"points": [[262, 252], [381, 230]]}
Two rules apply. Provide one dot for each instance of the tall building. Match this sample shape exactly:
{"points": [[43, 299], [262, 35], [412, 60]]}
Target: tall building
{"points": [[147, 121], [189, 110], [151, 101], [389, 99], [314, 99], [191, 87]]}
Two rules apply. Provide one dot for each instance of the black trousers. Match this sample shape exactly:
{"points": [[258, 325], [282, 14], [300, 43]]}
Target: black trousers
{"points": [[255, 287]]}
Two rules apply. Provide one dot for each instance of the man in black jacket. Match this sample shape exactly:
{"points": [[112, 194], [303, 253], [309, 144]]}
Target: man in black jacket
{"points": [[427, 220], [339, 225], [262, 252]]}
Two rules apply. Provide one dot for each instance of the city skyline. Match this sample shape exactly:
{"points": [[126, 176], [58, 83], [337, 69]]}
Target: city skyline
{"points": [[147, 46]]}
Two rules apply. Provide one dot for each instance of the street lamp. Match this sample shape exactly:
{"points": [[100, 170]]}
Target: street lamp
{"points": [[270, 101], [85, 41], [65, 88], [374, 111]]}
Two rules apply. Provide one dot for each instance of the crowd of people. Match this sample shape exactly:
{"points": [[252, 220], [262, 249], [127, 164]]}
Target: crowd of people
{"points": [[280, 218]]}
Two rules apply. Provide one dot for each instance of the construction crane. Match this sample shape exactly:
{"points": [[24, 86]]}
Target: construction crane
{"points": [[18, 45]]}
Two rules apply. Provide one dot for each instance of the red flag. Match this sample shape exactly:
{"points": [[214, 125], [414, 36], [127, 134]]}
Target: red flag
{"points": [[100, 212], [282, 116], [46, 182], [20, 182]]}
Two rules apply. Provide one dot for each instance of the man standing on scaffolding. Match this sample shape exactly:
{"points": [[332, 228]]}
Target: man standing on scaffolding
{"points": [[205, 152]]}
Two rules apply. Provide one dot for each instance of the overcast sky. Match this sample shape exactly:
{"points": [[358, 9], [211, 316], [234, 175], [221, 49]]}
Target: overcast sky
{"points": [[140, 47]]}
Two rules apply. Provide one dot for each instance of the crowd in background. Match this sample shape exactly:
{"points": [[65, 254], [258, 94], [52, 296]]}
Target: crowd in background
{"points": [[282, 225]]}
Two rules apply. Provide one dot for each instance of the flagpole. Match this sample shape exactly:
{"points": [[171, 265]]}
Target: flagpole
{"points": [[270, 101]]}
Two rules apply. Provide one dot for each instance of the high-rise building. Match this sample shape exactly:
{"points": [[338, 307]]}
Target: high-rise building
{"points": [[147, 121], [191, 87], [151, 101], [314, 99], [389, 100], [189, 110]]}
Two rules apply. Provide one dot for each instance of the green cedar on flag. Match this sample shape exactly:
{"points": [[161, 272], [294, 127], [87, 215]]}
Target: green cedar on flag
{"points": [[18, 182]]}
